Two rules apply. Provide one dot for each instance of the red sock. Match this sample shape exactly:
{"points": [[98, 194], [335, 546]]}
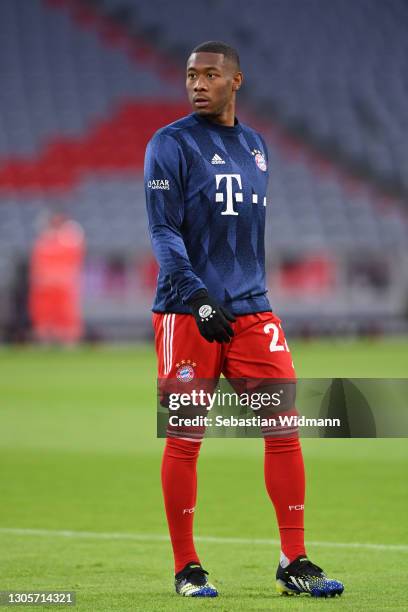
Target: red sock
{"points": [[179, 482], [285, 483]]}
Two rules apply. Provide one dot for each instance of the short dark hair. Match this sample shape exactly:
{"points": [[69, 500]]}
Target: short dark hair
{"points": [[215, 46]]}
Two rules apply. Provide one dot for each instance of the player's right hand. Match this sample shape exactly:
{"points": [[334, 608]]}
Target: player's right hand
{"points": [[213, 320]]}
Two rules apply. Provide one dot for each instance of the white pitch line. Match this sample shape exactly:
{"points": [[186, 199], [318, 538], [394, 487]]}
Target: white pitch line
{"points": [[145, 537]]}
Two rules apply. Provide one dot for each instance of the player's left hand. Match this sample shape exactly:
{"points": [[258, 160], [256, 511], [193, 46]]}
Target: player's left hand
{"points": [[213, 320]]}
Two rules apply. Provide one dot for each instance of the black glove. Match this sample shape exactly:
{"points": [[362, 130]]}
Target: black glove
{"points": [[211, 318]]}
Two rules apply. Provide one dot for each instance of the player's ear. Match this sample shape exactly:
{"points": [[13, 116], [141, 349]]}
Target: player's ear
{"points": [[237, 81]]}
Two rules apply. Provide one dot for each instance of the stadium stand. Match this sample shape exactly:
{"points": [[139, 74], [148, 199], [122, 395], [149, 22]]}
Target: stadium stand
{"points": [[85, 84], [334, 73]]}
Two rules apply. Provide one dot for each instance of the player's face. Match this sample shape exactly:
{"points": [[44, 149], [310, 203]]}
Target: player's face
{"points": [[211, 82]]}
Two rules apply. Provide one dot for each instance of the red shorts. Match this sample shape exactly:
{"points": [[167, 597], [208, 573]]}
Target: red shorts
{"points": [[258, 350]]}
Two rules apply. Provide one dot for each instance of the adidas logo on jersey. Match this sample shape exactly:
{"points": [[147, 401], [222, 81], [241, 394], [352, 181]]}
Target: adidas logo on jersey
{"points": [[217, 160]]}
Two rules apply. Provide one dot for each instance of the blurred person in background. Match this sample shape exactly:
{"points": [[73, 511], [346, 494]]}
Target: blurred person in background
{"points": [[55, 280]]}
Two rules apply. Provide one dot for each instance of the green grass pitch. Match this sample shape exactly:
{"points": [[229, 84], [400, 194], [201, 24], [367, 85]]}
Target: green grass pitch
{"points": [[78, 455]]}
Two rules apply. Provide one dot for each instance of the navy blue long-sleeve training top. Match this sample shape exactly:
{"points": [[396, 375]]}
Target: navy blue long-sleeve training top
{"points": [[206, 196]]}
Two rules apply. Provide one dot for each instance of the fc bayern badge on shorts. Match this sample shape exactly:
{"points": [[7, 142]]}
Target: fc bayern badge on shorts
{"points": [[185, 370], [260, 159]]}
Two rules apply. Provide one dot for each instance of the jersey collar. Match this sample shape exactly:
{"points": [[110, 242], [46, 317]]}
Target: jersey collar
{"points": [[224, 129]]}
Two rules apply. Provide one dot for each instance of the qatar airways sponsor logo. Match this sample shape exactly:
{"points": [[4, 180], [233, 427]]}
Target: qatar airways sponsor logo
{"points": [[159, 184]]}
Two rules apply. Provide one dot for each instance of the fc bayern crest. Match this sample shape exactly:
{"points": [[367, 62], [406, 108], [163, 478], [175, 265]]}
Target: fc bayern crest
{"points": [[260, 159], [185, 370]]}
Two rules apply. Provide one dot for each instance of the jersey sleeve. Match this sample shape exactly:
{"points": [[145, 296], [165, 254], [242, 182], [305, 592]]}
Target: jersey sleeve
{"points": [[164, 176]]}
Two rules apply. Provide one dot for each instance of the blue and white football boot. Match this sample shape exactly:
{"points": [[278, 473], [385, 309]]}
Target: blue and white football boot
{"points": [[192, 581], [303, 576]]}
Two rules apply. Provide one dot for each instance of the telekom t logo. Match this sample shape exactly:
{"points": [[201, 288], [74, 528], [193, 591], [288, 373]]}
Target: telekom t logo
{"points": [[238, 195], [219, 196]]}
